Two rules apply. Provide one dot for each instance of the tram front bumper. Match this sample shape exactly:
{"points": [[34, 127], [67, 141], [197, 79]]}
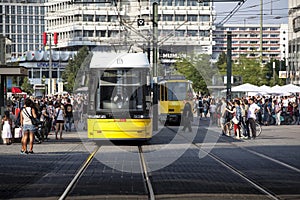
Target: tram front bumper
{"points": [[119, 128]]}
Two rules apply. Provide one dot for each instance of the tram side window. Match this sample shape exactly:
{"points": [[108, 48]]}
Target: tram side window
{"points": [[162, 93]]}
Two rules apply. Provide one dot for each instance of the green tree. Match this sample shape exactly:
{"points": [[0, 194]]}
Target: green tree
{"points": [[273, 78], [70, 72], [26, 86], [249, 69], [198, 69]]}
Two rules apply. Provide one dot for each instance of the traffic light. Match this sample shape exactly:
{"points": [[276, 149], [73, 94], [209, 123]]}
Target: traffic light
{"points": [[44, 38], [55, 38]]}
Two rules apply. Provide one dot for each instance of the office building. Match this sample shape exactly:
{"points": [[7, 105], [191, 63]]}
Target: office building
{"points": [[294, 42], [184, 25], [22, 21], [246, 41]]}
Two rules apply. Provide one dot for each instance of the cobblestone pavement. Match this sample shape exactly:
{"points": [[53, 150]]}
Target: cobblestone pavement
{"points": [[177, 167]]}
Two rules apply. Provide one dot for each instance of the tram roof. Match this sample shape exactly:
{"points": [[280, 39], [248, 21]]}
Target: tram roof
{"points": [[119, 60]]}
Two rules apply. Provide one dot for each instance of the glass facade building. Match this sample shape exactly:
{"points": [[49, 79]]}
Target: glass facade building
{"points": [[23, 23]]}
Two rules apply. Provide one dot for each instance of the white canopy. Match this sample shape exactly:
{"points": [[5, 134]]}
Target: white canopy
{"points": [[264, 89], [247, 87], [276, 90], [290, 88]]}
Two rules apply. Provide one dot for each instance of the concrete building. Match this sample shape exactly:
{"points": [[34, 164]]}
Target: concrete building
{"points": [[294, 42], [23, 23], [184, 25], [246, 41]]}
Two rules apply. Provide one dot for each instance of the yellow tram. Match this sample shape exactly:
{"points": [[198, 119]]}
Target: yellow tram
{"points": [[173, 90], [119, 97]]}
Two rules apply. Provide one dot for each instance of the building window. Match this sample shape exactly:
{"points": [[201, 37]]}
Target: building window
{"points": [[180, 18], [30, 10], [179, 33], [13, 10], [89, 18], [24, 10], [13, 19], [205, 18], [274, 29], [274, 35], [167, 2], [24, 20], [192, 2], [167, 17], [19, 10], [179, 2], [30, 19], [19, 28], [36, 10], [192, 18], [100, 18], [112, 18], [19, 19]]}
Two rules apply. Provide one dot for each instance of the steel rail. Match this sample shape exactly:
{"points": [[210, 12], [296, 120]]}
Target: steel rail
{"points": [[145, 173], [263, 155], [78, 174], [234, 170]]}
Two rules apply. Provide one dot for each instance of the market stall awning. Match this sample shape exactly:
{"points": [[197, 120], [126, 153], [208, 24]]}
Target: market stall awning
{"points": [[16, 90]]}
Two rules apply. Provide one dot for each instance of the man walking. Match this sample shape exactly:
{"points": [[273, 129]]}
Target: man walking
{"points": [[69, 115], [251, 115]]}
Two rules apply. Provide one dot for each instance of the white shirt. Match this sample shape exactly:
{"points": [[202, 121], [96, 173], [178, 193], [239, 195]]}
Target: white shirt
{"points": [[60, 115], [251, 111]]}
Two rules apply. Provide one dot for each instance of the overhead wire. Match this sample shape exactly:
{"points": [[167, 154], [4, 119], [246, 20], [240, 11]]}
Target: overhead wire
{"points": [[234, 10], [247, 11]]}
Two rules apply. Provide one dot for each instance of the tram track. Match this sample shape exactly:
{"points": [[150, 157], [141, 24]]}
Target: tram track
{"points": [[85, 165], [261, 155], [233, 169], [78, 174], [145, 174]]}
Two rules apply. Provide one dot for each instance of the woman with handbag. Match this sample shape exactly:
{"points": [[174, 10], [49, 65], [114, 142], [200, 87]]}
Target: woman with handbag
{"points": [[237, 118], [59, 119], [27, 127]]}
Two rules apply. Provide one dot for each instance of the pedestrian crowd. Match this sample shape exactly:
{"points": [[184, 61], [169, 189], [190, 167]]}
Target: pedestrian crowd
{"points": [[245, 112], [31, 120]]}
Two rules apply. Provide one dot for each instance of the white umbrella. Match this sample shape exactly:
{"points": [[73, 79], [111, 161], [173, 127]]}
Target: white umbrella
{"points": [[291, 88], [276, 90], [264, 89], [247, 87]]}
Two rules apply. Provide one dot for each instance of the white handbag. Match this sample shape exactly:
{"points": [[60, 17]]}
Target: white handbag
{"points": [[235, 120], [18, 132]]}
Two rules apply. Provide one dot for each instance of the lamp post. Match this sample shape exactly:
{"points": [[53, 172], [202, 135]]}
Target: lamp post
{"points": [[274, 72], [50, 66], [55, 38]]}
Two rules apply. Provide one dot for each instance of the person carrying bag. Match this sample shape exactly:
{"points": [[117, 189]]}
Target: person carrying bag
{"points": [[27, 126]]}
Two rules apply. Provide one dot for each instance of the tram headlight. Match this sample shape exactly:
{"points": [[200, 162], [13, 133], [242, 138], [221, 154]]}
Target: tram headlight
{"points": [[138, 116]]}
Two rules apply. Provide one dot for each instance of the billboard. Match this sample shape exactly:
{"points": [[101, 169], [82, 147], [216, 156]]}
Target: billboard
{"points": [[282, 74]]}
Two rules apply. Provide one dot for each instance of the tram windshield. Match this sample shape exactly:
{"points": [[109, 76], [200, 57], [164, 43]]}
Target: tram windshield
{"points": [[122, 89], [177, 91]]}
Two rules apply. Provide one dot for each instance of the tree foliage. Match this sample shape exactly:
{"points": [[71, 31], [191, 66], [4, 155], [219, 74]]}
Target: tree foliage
{"points": [[198, 69], [251, 70], [26, 86], [70, 72]]}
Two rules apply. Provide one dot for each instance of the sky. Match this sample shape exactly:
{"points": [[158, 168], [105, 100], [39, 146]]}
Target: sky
{"points": [[274, 12]]}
